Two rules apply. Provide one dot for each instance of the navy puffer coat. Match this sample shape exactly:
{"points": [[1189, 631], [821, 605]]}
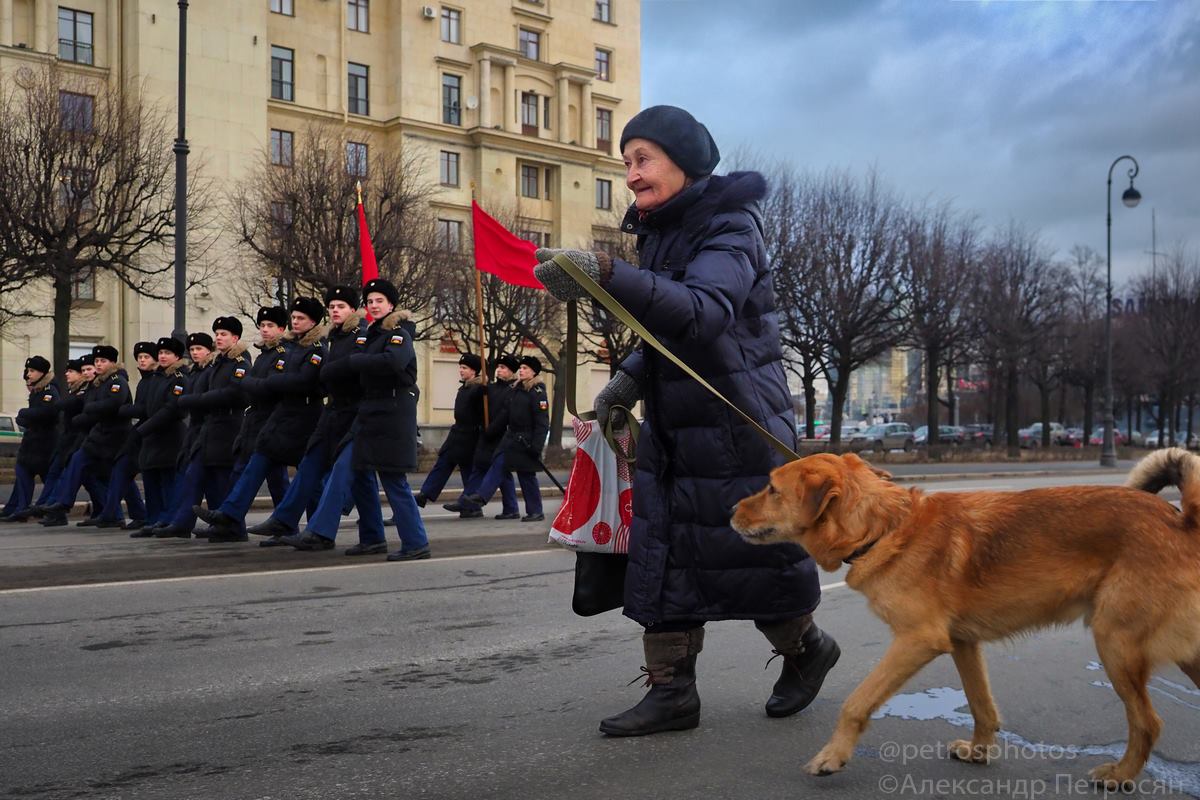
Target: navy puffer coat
{"points": [[704, 289]]}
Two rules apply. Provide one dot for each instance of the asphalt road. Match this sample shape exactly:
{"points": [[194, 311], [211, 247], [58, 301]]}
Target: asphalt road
{"points": [[468, 677]]}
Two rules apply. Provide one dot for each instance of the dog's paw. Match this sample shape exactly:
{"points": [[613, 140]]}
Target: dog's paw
{"points": [[964, 750], [1113, 778], [826, 762]]}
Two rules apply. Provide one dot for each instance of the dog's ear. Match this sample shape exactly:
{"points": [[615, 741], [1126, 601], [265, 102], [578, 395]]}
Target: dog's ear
{"points": [[819, 491], [854, 461], [882, 473]]}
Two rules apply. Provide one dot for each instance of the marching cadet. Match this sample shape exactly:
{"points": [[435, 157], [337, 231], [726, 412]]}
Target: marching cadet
{"points": [[40, 420], [91, 465], [528, 424], [272, 322], [161, 432], [347, 335], [79, 376], [220, 397], [122, 484], [382, 439], [459, 448], [293, 387], [489, 457]]}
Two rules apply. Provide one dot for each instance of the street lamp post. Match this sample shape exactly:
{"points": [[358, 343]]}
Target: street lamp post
{"points": [[1130, 197], [181, 209]]}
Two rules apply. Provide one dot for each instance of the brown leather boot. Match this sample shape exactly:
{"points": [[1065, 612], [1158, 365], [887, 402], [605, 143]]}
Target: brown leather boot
{"points": [[672, 704], [808, 655]]}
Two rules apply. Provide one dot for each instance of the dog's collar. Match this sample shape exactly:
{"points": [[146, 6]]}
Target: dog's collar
{"points": [[859, 553]]}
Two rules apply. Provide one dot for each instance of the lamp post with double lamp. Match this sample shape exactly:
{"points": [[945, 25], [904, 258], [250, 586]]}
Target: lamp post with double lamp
{"points": [[1130, 197], [181, 208]]}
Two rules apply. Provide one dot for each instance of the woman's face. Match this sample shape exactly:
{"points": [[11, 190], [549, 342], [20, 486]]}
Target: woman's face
{"points": [[652, 176]]}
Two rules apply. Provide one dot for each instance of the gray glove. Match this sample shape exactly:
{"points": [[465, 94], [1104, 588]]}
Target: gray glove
{"points": [[622, 390], [597, 265]]}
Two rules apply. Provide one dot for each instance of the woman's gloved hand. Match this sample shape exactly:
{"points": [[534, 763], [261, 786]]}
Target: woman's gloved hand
{"points": [[622, 390], [556, 280]]}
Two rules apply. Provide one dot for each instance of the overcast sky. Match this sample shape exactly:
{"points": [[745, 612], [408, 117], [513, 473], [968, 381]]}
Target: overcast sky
{"points": [[1013, 110]]}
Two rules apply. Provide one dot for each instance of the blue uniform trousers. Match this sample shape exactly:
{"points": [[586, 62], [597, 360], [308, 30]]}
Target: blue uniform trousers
{"points": [[344, 481]]}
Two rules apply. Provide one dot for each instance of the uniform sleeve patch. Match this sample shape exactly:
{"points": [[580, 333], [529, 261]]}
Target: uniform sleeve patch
{"points": [[177, 390], [239, 372], [360, 340], [542, 405], [397, 339], [315, 358], [115, 388], [279, 364], [47, 398]]}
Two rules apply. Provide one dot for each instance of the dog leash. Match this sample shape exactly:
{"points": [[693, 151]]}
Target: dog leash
{"points": [[617, 310]]}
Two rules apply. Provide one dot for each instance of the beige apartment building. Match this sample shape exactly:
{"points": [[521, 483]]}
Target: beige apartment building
{"points": [[525, 99]]}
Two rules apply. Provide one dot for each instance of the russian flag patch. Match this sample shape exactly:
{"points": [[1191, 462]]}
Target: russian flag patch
{"points": [[315, 358]]}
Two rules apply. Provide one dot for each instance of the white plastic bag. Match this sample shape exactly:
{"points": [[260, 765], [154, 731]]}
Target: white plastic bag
{"points": [[597, 507]]}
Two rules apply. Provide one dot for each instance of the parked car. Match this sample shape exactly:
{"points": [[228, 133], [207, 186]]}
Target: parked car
{"points": [[881, 438], [947, 434], [1074, 437], [1181, 439], [1098, 436], [847, 431], [1031, 437], [979, 434], [10, 433]]}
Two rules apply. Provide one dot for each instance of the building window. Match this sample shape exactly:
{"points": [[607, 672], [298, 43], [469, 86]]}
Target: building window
{"points": [[451, 25], [546, 112], [282, 75], [529, 43], [604, 130], [450, 235], [603, 194], [603, 64], [284, 7], [356, 15], [83, 285], [451, 94], [529, 181], [74, 36], [537, 237], [549, 180], [75, 111], [357, 94], [75, 191], [281, 148], [448, 168], [356, 159], [282, 214], [604, 10], [529, 113]]}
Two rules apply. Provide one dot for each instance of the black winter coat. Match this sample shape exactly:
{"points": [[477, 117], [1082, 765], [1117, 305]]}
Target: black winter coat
{"points": [[134, 412], [297, 399], [528, 424], [499, 393], [40, 421], [385, 429], [162, 428], [107, 429], [197, 381], [262, 401], [340, 383], [460, 442], [222, 400], [69, 406], [704, 289]]}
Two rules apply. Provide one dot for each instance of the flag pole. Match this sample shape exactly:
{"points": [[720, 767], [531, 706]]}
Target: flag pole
{"points": [[479, 311]]}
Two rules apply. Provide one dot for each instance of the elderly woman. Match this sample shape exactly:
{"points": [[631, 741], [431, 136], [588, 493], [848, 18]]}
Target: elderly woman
{"points": [[704, 289]]}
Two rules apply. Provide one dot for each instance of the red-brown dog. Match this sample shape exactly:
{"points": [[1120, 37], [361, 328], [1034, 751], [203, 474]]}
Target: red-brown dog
{"points": [[949, 571]]}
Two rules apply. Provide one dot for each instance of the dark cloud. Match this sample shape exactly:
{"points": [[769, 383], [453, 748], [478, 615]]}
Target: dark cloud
{"points": [[1012, 109]]}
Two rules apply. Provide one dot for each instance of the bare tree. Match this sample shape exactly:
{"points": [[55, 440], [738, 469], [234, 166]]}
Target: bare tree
{"points": [[296, 214], [88, 190], [607, 340], [1085, 328]]}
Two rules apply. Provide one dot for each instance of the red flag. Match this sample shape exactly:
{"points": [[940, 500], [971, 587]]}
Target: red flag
{"points": [[498, 251], [369, 268]]}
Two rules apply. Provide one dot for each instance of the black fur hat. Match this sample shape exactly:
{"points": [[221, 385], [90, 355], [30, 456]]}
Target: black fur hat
{"points": [[509, 361], [310, 307], [37, 363], [200, 339], [75, 365], [149, 348], [472, 361], [384, 287], [172, 344], [106, 351], [87, 360], [276, 314], [231, 324], [532, 362], [686, 141], [347, 294]]}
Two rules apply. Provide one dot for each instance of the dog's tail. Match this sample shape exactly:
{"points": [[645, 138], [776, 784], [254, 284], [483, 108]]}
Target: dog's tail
{"points": [[1171, 467]]}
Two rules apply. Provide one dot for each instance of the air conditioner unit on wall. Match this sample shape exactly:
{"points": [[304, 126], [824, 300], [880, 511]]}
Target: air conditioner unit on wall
{"points": [[428, 12]]}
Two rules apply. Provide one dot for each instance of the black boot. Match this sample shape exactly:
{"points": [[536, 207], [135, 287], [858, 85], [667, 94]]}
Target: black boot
{"points": [[672, 704], [808, 655]]}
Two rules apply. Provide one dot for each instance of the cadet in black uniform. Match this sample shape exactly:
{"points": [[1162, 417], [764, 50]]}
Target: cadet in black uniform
{"points": [[489, 460], [459, 448], [161, 432], [122, 484], [273, 347], [40, 421], [68, 405]]}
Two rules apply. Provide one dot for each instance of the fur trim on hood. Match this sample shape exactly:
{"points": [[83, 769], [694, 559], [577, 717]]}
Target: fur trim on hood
{"points": [[536, 380], [350, 323], [75, 386], [107, 372], [174, 368], [313, 335], [476, 381], [261, 343], [239, 349], [42, 382], [393, 320]]}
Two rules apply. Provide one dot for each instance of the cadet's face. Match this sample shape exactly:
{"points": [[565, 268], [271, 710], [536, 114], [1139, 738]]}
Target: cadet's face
{"points": [[651, 174], [145, 361], [302, 323], [524, 372], [465, 373], [102, 364], [35, 375], [269, 330], [73, 376], [166, 358], [198, 353], [89, 371], [378, 305], [338, 310], [503, 373], [225, 340]]}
